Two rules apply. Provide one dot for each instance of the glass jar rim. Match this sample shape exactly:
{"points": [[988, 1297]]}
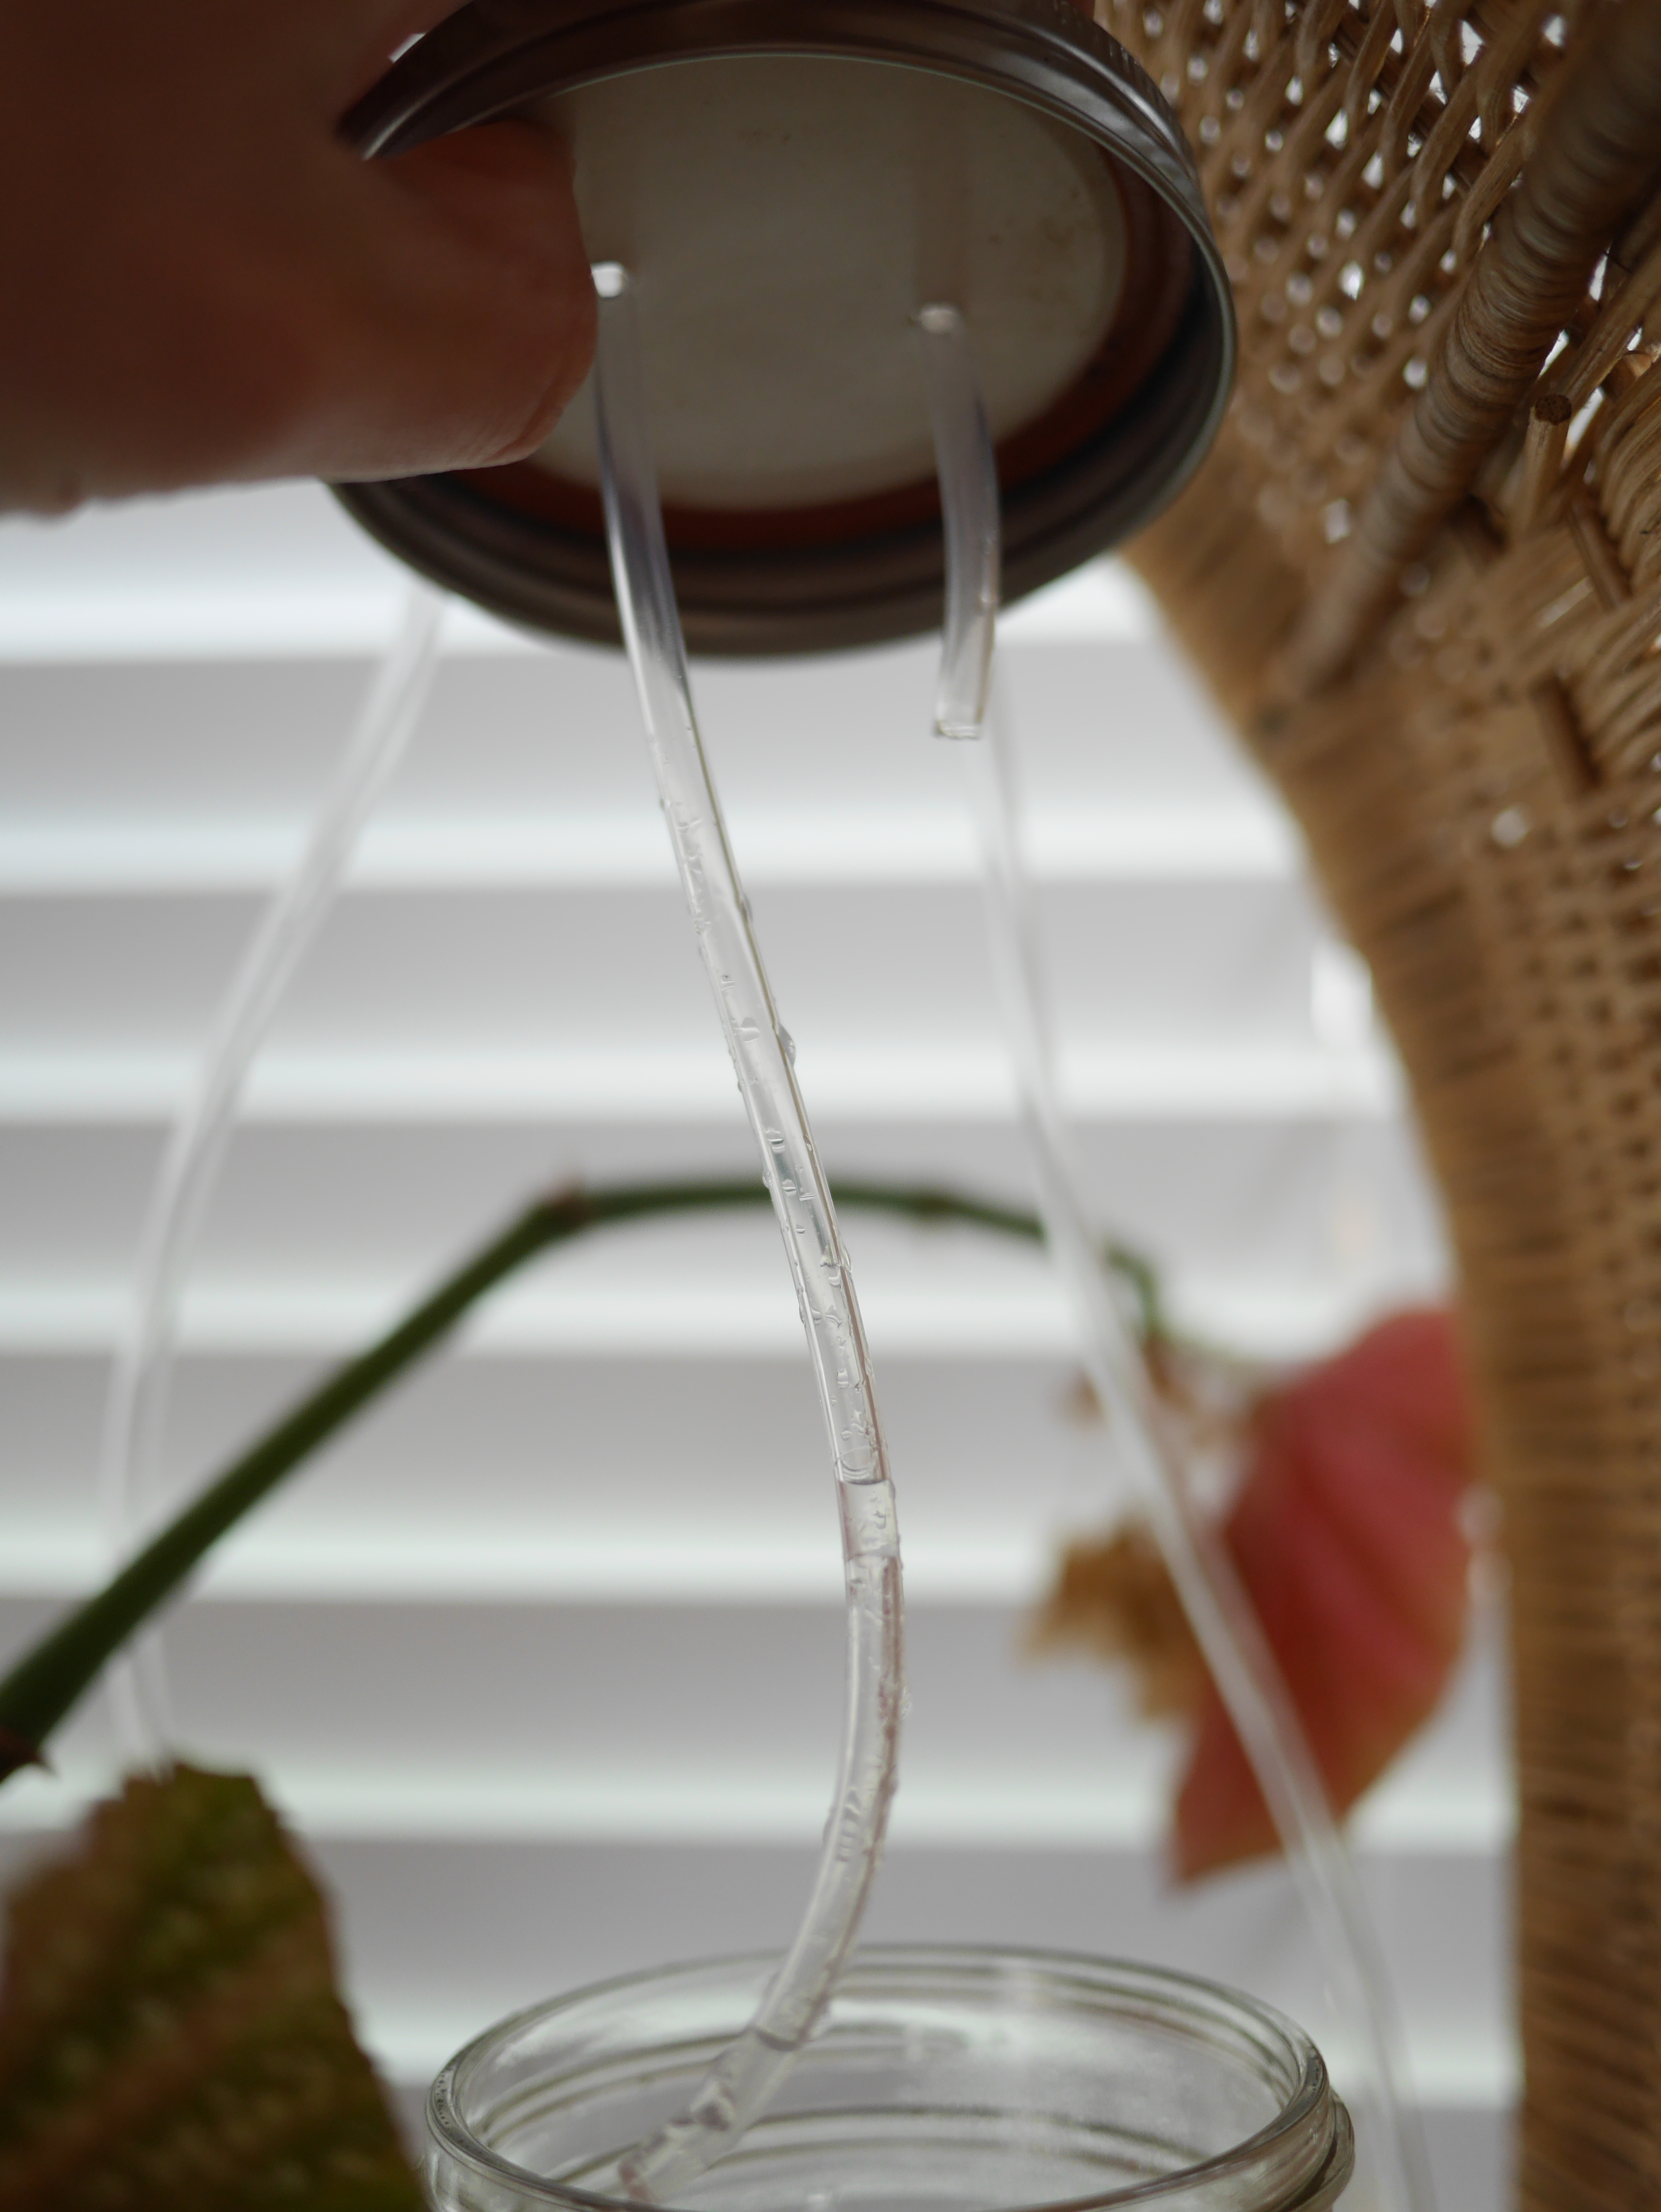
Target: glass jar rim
{"points": [[1310, 2107]]}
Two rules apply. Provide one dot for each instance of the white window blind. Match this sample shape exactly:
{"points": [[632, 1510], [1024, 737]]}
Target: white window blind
{"points": [[544, 1658]]}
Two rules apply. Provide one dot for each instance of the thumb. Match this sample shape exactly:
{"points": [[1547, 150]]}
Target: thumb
{"points": [[468, 313]]}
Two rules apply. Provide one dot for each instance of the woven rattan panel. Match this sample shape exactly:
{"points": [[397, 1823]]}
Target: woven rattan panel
{"points": [[1423, 570]]}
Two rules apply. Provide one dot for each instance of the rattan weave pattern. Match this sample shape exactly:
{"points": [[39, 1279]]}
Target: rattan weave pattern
{"points": [[1474, 747]]}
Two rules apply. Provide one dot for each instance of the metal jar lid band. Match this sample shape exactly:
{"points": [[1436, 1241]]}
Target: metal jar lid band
{"points": [[541, 564]]}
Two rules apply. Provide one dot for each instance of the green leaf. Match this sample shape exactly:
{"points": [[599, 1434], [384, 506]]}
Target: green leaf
{"points": [[170, 2034]]}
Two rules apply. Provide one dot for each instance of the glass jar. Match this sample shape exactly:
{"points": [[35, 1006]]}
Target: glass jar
{"points": [[941, 2079]]}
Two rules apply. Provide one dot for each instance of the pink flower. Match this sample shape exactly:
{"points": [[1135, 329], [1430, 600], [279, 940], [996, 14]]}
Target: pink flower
{"points": [[1347, 1534]]}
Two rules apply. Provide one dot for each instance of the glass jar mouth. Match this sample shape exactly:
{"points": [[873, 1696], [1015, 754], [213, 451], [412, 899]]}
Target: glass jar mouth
{"points": [[988, 2079]]}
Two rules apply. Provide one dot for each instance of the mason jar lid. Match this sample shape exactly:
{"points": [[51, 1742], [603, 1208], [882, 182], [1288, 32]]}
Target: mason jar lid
{"points": [[788, 181], [940, 2079]]}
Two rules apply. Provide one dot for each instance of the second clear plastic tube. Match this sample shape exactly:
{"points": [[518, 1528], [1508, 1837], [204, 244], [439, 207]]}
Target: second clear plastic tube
{"points": [[188, 1174], [739, 2085], [1218, 1609]]}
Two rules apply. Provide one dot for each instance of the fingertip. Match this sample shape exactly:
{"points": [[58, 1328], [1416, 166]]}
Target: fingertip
{"points": [[577, 334], [533, 168], [511, 298], [512, 152]]}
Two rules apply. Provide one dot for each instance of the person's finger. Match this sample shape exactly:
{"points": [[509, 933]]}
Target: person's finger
{"points": [[220, 289], [463, 317], [503, 198]]}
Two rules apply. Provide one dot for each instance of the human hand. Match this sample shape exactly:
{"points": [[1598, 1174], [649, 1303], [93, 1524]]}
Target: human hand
{"points": [[200, 283]]}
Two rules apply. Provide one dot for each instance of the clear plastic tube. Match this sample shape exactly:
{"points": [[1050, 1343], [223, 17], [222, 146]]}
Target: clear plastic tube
{"points": [[135, 1400], [968, 505], [1218, 1609], [741, 2082]]}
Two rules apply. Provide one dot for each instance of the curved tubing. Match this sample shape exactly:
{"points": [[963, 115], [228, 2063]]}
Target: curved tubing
{"points": [[1218, 1609], [135, 1400], [739, 2085]]}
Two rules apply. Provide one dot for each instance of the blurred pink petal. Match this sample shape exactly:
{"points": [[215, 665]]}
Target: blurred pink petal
{"points": [[1347, 1533]]}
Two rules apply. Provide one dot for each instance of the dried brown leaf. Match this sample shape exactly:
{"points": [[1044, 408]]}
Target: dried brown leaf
{"points": [[1114, 1600]]}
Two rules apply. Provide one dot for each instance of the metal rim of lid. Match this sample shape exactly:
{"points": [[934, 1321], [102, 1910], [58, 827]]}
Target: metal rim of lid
{"points": [[494, 56]]}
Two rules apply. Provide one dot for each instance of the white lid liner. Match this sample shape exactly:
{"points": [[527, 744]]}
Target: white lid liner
{"points": [[784, 218]]}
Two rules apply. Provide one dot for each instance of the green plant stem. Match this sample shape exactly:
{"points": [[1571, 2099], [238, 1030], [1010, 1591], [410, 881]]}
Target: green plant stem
{"points": [[50, 1679]]}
